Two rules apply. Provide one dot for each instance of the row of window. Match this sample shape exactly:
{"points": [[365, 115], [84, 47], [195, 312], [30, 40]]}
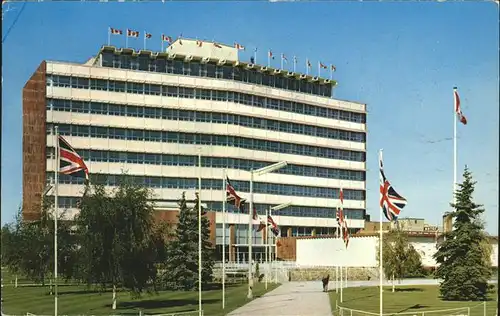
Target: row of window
{"points": [[206, 139], [204, 94], [216, 184], [294, 210], [211, 162], [201, 116], [197, 69]]}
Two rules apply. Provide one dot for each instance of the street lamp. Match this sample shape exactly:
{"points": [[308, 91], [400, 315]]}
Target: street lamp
{"points": [[253, 173], [268, 251]]}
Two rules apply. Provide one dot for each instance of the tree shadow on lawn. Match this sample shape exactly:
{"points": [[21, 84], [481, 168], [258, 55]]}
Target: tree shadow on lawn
{"points": [[408, 289], [414, 307], [164, 303]]}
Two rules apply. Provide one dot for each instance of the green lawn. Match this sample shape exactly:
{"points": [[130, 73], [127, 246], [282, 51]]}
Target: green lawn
{"points": [[77, 300], [406, 299]]}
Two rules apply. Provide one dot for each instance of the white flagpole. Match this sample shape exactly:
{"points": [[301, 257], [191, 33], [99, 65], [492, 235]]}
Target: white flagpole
{"points": [[56, 213], [199, 235], [109, 36], [267, 236], [454, 150], [224, 238], [337, 267], [162, 43], [307, 67], [342, 265], [144, 40], [294, 63], [331, 73], [126, 39], [281, 61], [319, 69], [255, 56], [269, 59], [381, 260]]}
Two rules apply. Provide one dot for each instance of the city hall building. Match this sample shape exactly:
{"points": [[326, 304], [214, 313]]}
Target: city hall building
{"points": [[151, 114]]}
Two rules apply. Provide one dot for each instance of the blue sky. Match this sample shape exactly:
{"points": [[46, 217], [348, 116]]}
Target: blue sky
{"points": [[402, 59]]}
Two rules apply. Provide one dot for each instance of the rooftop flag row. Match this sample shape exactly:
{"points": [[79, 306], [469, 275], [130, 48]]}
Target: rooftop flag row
{"points": [[253, 60]]}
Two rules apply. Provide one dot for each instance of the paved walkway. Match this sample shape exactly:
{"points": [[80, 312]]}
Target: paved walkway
{"points": [[290, 299]]}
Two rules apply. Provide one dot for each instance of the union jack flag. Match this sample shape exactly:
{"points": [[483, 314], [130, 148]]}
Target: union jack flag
{"points": [[70, 162], [274, 228], [390, 201], [232, 197]]}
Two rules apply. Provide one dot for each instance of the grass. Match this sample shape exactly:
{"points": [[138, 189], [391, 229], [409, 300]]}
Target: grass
{"points": [[78, 300], [407, 299]]}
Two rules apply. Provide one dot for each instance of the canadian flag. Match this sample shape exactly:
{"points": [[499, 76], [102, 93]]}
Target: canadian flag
{"points": [[115, 31], [166, 38], [322, 66], [458, 110], [131, 33], [147, 35], [239, 46], [284, 58], [270, 54]]}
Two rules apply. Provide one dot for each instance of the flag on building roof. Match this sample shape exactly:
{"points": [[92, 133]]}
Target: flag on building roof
{"points": [[180, 39], [458, 109], [333, 68], [132, 33], [199, 43], [308, 63], [284, 58], [232, 197], [166, 38], [322, 65], [70, 162], [391, 202], [113, 31], [147, 35], [270, 54], [239, 46], [217, 45]]}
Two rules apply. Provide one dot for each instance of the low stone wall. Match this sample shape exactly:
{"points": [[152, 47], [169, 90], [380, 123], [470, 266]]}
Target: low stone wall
{"points": [[316, 274]]}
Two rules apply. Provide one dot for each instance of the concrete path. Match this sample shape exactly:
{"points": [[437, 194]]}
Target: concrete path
{"points": [[290, 299]]}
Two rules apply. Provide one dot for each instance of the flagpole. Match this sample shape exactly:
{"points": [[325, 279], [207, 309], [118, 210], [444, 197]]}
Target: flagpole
{"points": [[269, 59], [267, 235], [144, 40], [454, 154], [380, 253], [337, 267], [282, 61], [255, 56], [126, 40], [331, 73], [307, 67], [250, 240], [162, 44], [319, 69], [56, 213], [224, 238], [294, 63], [342, 219], [199, 235], [109, 36]]}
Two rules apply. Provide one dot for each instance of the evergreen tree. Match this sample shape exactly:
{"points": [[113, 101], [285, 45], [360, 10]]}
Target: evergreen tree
{"points": [[461, 256], [182, 258], [207, 249]]}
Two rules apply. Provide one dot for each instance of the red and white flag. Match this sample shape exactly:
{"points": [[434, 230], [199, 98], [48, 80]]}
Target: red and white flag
{"points": [[113, 31], [166, 38], [131, 33], [458, 110], [322, 65], [284, 58], [239, 46], [270, 54], [147, 35]]}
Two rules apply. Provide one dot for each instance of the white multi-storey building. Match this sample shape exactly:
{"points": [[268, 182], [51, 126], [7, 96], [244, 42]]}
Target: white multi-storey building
{"points": [[151, 114]]}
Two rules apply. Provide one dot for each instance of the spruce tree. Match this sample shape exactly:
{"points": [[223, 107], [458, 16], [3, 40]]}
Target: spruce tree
{"points": [[182, 258], [461, 256]]}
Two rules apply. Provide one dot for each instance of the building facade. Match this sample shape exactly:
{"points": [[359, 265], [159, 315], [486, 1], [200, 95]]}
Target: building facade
{"points": [[151, 115]]}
